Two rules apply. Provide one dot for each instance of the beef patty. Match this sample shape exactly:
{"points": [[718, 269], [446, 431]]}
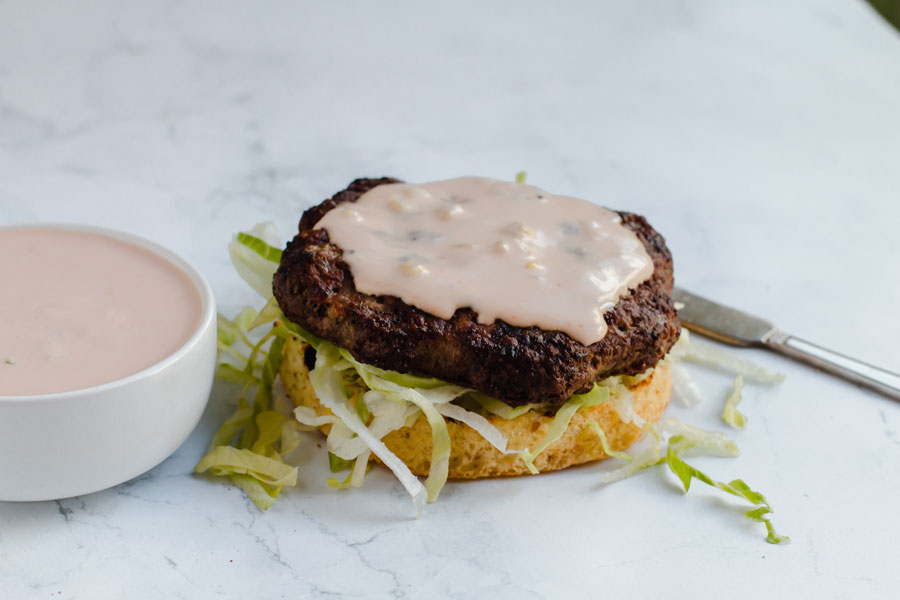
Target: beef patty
{"points": [[519, 365]]}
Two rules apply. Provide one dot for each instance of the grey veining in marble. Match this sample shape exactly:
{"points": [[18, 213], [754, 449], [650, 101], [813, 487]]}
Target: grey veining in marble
{"points": [[762, 138]]}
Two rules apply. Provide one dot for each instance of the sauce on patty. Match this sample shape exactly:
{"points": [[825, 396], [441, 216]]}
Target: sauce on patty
{"points": [[506, 250], [80, 309]]}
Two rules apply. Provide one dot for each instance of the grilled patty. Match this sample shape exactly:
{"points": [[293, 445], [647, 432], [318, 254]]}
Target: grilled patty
{"points": [[519, 365]]}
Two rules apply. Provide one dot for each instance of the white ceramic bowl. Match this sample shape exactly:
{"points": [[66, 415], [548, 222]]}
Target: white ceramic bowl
{"points": [[71, 443]]}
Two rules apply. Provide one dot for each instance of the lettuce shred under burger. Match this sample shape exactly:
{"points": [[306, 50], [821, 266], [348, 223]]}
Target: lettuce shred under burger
{"points": [[367, 403]]}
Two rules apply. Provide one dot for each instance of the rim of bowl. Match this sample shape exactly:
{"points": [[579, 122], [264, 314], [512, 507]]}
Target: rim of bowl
{"points": [[199, 282]]}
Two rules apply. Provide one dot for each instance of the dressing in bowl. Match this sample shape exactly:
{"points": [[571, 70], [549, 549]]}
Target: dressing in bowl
{"points": [[107, 353]]}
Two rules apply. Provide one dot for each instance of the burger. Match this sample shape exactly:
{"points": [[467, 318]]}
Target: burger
{"points": [[462, 329], [473, 328]]}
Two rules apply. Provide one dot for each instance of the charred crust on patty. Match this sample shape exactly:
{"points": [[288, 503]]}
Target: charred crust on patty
{"points": [[519, 365]]}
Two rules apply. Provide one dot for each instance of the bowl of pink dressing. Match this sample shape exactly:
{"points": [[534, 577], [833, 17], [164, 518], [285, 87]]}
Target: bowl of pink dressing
{"points": [[107, 355]]}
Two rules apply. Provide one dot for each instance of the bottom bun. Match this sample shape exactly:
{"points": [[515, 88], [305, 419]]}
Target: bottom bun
{"points": [[472, 457]]}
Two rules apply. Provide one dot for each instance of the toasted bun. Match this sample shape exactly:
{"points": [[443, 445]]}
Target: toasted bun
{"points": [[472, 457]]}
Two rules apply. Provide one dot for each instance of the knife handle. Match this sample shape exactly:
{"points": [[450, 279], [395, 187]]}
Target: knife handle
{"points": [[858, 372]]}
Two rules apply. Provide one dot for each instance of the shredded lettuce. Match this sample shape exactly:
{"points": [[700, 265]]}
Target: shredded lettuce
{"points": [[731, 414], [560, 423], [338, 464], [244, 321], [270, 313], [227, 459], [269, 424], [290, 436], [334, 482], [683, 439], [255, 257], [308, 416], [605, 443], [500, 408], [402, 379], [426, 400], [231, 374], [391, 401], [360, 468], [386, 416], [685, 473], [648, 456], [477, 422], [355, 478], [260, 247], [684, 388], [713, 443], [249, 446], [326, 381], [623, 402], [262, 495], [228, 332], [705, 354]]}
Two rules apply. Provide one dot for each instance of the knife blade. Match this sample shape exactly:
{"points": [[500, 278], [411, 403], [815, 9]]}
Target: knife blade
{"points": [[737, 328]]}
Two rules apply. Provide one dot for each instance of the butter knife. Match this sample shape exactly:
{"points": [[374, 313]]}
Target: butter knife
{"points": [[732, 326]]}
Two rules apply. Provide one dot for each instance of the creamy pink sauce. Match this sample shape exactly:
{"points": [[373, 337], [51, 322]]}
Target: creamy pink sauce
{"points": [[506, 250], [80, 309]]}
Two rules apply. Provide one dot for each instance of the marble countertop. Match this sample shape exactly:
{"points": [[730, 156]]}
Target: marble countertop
{"points": [[762, 139]]}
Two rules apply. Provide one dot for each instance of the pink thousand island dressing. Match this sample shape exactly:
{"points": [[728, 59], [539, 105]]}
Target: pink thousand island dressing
{"points": [[506, 250], [80, 309]]}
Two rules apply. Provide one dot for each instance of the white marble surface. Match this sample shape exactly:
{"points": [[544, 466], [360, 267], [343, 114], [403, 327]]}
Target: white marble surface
{"points": [[762, 138]]}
